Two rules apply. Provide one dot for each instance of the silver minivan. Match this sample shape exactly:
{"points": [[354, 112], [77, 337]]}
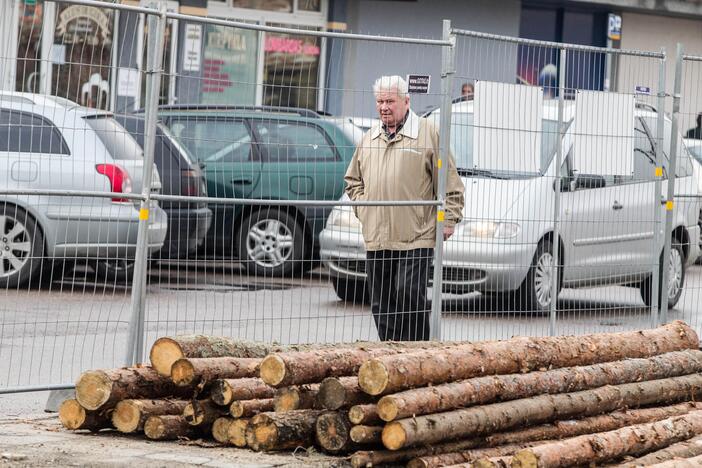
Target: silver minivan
{"points": [[50, 143], [505, 246]]}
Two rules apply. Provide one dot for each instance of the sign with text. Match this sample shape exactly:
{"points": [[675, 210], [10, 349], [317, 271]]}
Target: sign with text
{"points": [[614, 27], [418, 84], [192, 50]]}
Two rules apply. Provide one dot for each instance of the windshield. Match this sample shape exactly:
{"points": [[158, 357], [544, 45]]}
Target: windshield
{"points": [[462, 145]]}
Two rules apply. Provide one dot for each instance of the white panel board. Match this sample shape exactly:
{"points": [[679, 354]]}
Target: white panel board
{"points": [[603, 133], [507, 133]]}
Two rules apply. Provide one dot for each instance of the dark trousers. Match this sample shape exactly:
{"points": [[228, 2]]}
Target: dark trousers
{"points": [[398, 281]]}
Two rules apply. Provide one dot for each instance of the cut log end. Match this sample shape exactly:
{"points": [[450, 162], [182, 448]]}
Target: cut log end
{"points": [[93, 389], [236, 409], [272, 370], [525, 459], [265, 436], [126, 417], [394, 436], [193, 413], [237, 432], [221, 392], [155, 428], [287, 399], [220, 430], [332, 394], [164, 353], [72, 415], [373, 377], [387, 408], [366, 434], [332, 433], [182, 372]]}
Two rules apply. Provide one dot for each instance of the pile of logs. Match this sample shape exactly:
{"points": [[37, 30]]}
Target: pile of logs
{"points": [[628, 398]]}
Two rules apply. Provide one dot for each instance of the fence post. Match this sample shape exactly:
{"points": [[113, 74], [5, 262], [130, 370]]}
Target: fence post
{"points": [[154, 61], [557, 194], [669, 201], [657, 193], [448, 56]]}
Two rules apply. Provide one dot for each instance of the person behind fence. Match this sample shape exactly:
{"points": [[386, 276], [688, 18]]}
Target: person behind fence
{"points": [[398, 159], [696, 132], [467, 91]]}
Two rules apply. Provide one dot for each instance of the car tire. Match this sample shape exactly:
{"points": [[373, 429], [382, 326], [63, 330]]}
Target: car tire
{"points": [[271, 242], [352, 291], [676, 279], [114, 270], [534, 293], [21, 247]]}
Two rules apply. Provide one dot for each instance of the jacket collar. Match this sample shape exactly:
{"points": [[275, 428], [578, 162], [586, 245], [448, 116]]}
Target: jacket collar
{"points": [[410, 129]]}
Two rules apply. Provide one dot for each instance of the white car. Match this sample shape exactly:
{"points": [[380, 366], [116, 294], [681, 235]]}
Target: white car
{"points": [[505, 243], [50, 143], [353, 127]]}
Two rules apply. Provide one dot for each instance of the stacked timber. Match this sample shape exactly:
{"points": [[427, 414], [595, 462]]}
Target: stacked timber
{"points": [[627, 398]]}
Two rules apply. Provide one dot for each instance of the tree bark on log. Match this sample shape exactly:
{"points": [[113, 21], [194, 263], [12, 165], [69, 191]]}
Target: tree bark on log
{"points": [[364, 414], [170, 428], [74, 417], [193, 371], [250, 408], [333, 432], [606, 446], [499, 417], [366, 435], [225, 391], [280, 431], [304, 367], [484, 390], [694, 462], [220, 429], [341, 392], [237, 432], [296, 397], [379, 375], [492, 462], [468, 456], [202, 412], [104, 388], [687, 449], [364, 458], [131, 415]]}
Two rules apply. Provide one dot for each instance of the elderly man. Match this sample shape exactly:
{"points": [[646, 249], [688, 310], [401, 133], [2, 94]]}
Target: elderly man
{"points": [[399, 160]]}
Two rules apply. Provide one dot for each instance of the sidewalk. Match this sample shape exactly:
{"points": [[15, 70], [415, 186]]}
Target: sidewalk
{"points": [[42, 441]]}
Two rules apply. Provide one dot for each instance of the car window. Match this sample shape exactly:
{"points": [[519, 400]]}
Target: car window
{"points": [[29, 133], [696, 152], [184, 152], [213, 140], [684, 165], [644, 154], [118, 141], [286, 141]]}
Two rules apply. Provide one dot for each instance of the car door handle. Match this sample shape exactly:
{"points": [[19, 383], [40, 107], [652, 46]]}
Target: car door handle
{"points": [[242, 181], [617, 206]]}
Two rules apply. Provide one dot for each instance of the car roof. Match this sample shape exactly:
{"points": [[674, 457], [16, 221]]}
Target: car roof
{"points": [[49, 101]]}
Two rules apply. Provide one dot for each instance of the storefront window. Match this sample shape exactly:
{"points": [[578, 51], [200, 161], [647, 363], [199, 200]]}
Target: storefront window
{"points": [[229, 66], [285, 6], [291, 70], [309, 5], [28, 55]]}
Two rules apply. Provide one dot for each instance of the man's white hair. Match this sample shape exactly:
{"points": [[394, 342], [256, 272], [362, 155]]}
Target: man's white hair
{"points": [[389, 83]]}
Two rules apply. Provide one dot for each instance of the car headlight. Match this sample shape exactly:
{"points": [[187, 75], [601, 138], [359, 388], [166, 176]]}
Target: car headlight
{"points": [[489, 229], [343, 218]]}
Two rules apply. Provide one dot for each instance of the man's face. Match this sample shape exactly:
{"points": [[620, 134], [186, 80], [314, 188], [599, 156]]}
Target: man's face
{"points": [[390, 106]]}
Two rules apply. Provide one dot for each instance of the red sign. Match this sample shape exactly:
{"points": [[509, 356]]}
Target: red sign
{"points": [[287, 45]]}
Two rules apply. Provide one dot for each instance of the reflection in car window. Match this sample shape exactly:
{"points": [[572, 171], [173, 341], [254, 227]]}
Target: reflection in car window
{"points": [[644, 154], [28, 133], [684, 165], [287, 141], [213, 140]]}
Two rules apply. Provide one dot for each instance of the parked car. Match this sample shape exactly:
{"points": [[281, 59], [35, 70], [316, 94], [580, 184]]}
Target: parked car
{"points": [[505, 246], [182, 176], [50, 143], [264, 153], [695, 149]]}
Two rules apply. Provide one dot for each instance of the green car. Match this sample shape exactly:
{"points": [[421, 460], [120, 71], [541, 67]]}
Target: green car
{"points": [[262, 153]]}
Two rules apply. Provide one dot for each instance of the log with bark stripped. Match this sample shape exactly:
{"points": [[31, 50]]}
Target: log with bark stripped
{"points": [[367, 435], [250, 408], [607, 446], [225, 391], [131, 415], [687, 449], [74, 417], [237, 432], [333, 432], [498, 417], [296, 397], [104, 388], [484, 390], [341, 392], [170, 428], [364, 414], [203, 412], [193, 371], [280, 431], [394, 372]]}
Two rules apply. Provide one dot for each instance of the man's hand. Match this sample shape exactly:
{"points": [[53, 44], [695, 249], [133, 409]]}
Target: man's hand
{"points": [[448, 232]]}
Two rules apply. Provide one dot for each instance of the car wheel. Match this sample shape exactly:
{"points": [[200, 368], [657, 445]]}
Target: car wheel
{"points": [[675, 268], [534, 295], [114, 269], [21, 247], [272, 243], [353, 291]]}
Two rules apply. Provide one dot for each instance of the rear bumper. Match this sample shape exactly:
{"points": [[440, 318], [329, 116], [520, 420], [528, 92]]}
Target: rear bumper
{"points": [[187, 229]]}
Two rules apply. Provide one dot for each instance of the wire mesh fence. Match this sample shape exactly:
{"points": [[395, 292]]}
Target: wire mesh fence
{"points": [[163, 174]]}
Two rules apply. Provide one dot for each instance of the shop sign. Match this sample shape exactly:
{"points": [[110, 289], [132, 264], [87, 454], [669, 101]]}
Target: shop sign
{"points": [[418, 84], [83, 24], [288, 45]]}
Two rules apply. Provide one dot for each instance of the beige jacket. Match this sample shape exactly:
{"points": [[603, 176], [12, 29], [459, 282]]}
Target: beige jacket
{"points": [[405, 168]]}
